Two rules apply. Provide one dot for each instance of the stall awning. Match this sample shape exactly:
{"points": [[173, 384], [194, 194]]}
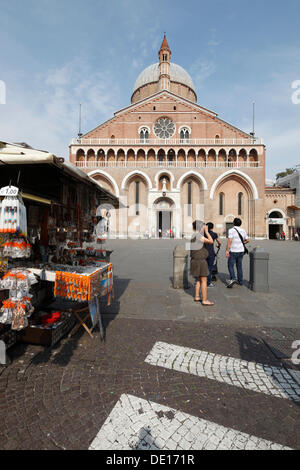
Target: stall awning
{"points": [[14, 154], [39, 199]]}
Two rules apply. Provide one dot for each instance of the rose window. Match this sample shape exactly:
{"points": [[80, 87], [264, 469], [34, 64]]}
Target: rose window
{"points": [[164, 128]]}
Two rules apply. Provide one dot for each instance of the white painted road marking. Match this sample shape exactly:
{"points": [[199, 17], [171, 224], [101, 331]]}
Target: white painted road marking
{"points": [[138, 424], [249, 375]]}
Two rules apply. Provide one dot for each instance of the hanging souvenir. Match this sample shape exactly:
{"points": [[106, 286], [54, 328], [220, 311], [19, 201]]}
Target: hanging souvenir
{"points": [[13, 215]]}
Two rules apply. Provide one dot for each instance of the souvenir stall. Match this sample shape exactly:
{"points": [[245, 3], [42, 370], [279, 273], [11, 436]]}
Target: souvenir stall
{"points": [[15, 283], [48, 244]]}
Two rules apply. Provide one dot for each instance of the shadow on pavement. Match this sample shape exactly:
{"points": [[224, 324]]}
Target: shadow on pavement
{"points": [[266, 362], [146, 441], [110, 312], [65, 351], [252, 349]]}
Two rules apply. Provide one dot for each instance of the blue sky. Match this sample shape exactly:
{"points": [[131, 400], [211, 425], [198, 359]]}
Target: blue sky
{"points": [[55, 54]]}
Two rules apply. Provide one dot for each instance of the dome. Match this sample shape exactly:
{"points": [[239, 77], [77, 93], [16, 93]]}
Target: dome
{"points": [[151, 74]]}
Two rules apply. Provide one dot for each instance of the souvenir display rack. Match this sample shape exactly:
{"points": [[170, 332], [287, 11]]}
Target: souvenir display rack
{"points": [[81, 285], [15, 309], [61, 207]]}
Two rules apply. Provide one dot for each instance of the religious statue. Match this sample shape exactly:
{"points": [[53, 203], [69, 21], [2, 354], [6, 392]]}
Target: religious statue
{"points": [[164, 184]]}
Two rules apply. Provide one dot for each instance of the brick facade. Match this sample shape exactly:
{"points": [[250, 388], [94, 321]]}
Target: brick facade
{"points": [[207, 163]]}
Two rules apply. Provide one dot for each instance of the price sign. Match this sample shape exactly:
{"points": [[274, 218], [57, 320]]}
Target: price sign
{"points": [[9, 191]]}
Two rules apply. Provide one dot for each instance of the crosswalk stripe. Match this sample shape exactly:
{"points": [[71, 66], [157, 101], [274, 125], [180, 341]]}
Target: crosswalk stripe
{"points": [[240, 373], [138, 424]]}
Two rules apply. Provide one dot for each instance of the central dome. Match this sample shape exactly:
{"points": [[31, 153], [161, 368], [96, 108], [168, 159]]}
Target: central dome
{"points": [[181, 82], [151, 74]]}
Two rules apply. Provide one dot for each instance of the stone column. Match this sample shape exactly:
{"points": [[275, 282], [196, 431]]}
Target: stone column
{"points": [[180, 268]]}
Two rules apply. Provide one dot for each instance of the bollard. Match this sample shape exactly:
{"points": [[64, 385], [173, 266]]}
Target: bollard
{"points": [[259, 270], [180, 268]]}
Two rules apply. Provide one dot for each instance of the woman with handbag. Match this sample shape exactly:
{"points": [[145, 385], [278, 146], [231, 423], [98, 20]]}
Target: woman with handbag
{"points": [[199, 267]]}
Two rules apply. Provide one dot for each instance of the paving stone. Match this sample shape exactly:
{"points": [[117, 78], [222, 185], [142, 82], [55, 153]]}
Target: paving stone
{"points": [[204, 437], [275, 383], [74, 421]]}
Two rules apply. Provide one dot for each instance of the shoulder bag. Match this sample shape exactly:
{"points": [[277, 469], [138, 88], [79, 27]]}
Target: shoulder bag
{"points": [[246, 252]]}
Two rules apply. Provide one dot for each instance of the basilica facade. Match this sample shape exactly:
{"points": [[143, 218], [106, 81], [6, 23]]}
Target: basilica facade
{"points": [[169, 160]]}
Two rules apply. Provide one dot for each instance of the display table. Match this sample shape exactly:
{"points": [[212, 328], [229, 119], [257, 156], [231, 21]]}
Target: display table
{"points": [[81, 284]]}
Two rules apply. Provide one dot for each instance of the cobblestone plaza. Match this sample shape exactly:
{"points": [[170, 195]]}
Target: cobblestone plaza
{"points": [[170, 374]]}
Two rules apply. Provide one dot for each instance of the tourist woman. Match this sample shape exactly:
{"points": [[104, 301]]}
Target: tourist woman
{"points": [[199, 267]]}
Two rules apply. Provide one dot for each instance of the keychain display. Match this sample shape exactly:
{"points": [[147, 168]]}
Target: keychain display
{"points": [[16, 247], [16, 281], [17, 308], [16, 312], [3, 266], [13, 216], [84, 287]]}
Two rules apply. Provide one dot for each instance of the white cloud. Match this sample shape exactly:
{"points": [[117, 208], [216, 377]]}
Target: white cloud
{"points": [[46, 116], [201, 70]]}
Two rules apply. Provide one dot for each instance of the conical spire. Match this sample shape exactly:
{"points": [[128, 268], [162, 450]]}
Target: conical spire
{"points": [[164, 45], [164, 55]]}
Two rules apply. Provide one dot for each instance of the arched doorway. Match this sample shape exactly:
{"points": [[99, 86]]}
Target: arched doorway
{"points": [[164, 208], [276, 224], [233, 196]]}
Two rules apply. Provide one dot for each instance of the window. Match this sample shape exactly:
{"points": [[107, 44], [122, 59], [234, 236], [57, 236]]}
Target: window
{"points": [[189, 198], [144, 134], [164, 128], [184, 134], [160, 158], [137, 197], [171, 155], [221, 204], [240, 203], [165, 57]]}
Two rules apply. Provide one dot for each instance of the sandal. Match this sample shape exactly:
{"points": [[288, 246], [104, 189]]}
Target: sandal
{"points": [[197, 300], [208, 305]]}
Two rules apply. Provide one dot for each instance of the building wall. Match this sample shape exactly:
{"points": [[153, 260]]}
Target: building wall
{"points": [[206, 187], [217, 158], [279, 199], [203, 124], [293, 182]]}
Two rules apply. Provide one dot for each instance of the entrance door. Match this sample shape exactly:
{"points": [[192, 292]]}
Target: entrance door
{"points": [[164, 223], [229, 225], [273, 229]]}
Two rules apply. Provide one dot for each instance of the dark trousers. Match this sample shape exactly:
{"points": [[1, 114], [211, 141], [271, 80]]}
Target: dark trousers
{"points": [[236, 259], [210, 261]]}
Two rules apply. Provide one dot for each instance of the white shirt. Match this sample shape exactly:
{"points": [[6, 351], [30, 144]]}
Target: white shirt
{"points": [[236, 244]]}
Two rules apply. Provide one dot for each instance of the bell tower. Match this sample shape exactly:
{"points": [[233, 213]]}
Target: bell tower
{"points": [[164, 55]]}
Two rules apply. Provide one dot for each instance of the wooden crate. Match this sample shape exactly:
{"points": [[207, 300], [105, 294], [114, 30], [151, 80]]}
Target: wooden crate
{"points": [[36, 334]]}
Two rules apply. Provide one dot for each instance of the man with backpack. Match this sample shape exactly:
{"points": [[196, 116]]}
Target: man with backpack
{"points": [[235, 250]]}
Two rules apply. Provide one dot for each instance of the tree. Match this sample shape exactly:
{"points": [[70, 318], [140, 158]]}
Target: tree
{"points": [[288, 171]]}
